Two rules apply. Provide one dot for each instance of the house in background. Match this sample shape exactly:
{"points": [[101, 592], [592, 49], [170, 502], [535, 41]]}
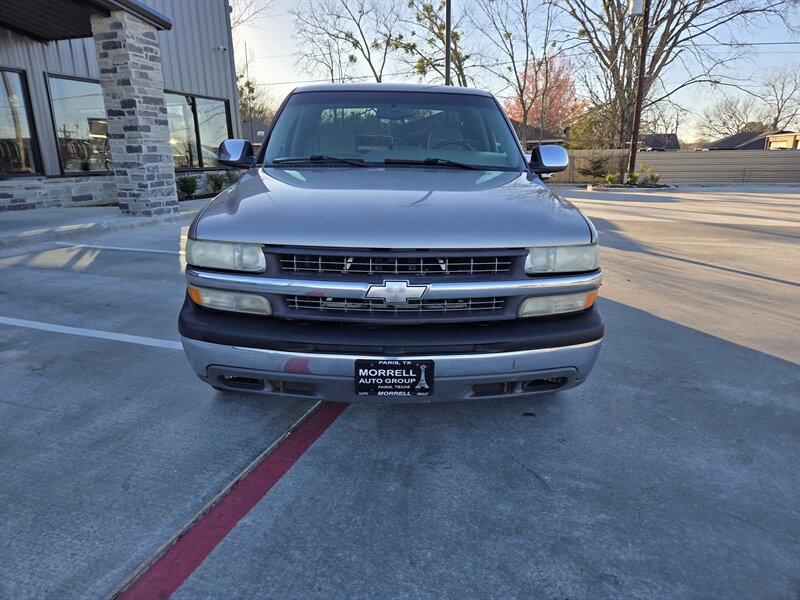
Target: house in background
{"points": [[657, 142], [783, 141], [746, 140], [103, 101]]}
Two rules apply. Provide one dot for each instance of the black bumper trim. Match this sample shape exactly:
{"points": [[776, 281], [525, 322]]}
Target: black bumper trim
{"points": [[231, 329]]}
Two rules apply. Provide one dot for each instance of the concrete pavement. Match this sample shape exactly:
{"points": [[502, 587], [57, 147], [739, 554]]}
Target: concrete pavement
{"points": [[27, 227]]}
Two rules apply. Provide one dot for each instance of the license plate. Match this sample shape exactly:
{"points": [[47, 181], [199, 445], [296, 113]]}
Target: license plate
{"points": [[394, 377]]}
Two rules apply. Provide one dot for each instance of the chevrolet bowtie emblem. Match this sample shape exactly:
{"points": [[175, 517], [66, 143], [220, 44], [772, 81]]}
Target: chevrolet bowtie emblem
{"points": [[396, 292]]}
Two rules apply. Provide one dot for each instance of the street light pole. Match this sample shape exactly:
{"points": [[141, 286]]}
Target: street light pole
{"points": [[447, 28], [640, 84]]}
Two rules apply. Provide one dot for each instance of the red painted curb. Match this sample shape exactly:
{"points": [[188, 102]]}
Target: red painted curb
{"points": [[167, 573]]}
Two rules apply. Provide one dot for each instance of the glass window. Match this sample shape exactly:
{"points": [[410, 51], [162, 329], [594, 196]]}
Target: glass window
{"points": [[80, 118], [182, 135], [395, 129], [211, 117], [16, 143], [212, 121]]}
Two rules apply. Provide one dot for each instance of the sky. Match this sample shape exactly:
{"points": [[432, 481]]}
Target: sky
{"points": [[269, 42]]}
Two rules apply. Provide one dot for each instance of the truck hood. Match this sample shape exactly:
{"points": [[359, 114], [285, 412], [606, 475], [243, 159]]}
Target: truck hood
{"points": [[397, 208]]}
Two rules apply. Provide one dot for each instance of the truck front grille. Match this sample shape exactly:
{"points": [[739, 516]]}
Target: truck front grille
{"points": [[419, 264], [430, 310]]}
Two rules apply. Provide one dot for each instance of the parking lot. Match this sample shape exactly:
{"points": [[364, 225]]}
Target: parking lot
{"points": [[672, 473]]}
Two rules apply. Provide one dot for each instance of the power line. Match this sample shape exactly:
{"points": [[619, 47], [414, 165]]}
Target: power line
{"points": [[738, 44]]}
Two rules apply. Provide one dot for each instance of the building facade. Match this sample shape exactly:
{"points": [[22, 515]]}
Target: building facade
{"points": [[105, 101]]}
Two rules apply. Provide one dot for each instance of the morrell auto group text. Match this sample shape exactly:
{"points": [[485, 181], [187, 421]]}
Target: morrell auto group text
{"points": [[386, 379]]}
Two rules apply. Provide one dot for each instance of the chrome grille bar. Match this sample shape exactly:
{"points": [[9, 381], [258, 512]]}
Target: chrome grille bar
{"points": [[422, 266], [427, 307]]}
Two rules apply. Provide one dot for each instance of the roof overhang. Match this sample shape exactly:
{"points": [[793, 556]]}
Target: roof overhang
{"points": [[51, 20]]}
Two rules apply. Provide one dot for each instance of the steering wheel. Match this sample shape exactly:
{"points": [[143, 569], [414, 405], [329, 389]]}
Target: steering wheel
{"points": [[456, 142]]}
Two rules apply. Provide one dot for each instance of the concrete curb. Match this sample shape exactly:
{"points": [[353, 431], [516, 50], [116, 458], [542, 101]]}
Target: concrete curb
{"points": [[66, 232]]}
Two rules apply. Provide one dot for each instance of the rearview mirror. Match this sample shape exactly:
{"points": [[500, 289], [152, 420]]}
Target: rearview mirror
{"points": [[549, 159], [236, 153]]}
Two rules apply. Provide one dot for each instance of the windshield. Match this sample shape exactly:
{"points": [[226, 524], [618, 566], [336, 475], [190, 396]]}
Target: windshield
{"points": [[393, 129]]}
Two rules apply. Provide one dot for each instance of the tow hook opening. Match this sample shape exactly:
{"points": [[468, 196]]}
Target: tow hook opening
{"points": [[244, 380], [525, 386], [240, 383]]}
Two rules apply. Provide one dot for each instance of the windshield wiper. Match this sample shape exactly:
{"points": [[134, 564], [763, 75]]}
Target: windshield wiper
{"points": [[321, 158], [431, 161]]}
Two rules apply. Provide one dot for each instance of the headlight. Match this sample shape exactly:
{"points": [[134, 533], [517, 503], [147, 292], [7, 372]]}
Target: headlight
{"points": [[562, 259], [232, 301], [225, 255], [540, 306]]}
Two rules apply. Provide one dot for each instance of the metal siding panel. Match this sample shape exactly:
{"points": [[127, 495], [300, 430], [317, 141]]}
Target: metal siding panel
{"points": [[232, 88], [199, 65], [718, 166], [191, 64]]}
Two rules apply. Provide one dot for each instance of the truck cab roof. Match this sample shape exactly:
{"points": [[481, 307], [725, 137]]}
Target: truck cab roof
{"points": [[390, 88]]}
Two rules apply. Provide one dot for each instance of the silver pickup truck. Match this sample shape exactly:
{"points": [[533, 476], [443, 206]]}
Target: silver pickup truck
{"points": [[391, 243]]}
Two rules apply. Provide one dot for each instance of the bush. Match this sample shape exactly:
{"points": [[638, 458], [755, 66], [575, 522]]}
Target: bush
{"points": [[214, 182], [633, 179], [597, 169], [232, 176], [611, 178], [187, 185], [648, 173]]}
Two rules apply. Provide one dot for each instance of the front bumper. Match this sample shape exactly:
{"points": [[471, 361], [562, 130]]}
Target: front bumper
{"points": [[292, 359], [330, 377]]}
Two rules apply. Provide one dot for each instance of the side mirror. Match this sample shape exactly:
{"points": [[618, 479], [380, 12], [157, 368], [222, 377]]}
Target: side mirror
{"points": [[549, 159], [236, 153]]}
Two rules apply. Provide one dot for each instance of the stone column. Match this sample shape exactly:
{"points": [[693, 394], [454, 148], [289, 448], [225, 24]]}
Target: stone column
{"points": [[138, 133]]}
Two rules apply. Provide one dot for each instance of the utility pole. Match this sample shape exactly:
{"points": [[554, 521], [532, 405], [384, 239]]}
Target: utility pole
{"points": [[447, 28], [639, 7], [247, 88]]}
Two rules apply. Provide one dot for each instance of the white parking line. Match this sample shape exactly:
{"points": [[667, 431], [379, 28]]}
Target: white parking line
{"points": [[92, 333], [123, 248]]}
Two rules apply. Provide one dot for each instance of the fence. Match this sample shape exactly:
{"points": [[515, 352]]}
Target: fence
{"points": [[716, 166]]}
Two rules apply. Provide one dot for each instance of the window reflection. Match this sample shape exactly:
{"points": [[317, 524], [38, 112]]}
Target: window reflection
{"points": [[182, 136], [211, 117], [80, 119], [16, 143], [212, 121]]}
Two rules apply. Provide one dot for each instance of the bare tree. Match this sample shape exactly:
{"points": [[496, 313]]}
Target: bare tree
{"points": [[422, 43], [256, 102], [664, 117], [245, 12], [361, 30], [780, 96], [730, 116], [685, 37], [324, 55], [774, 104], [510, 30]]}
